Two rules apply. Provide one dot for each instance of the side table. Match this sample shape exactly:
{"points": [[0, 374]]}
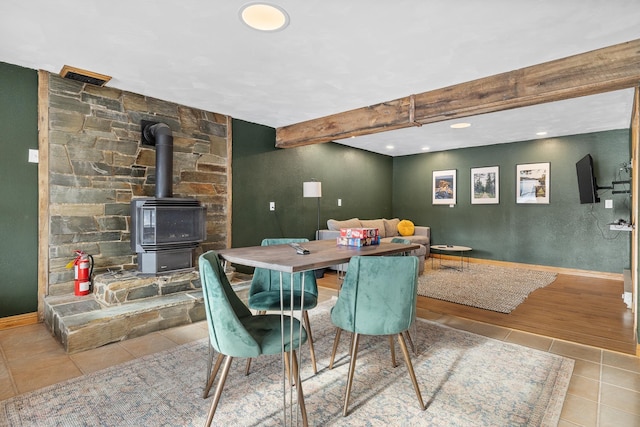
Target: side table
{"points": [[460, 250]]}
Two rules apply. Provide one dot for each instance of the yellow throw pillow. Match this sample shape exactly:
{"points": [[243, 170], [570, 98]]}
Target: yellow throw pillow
{"points": [[406, 228]]}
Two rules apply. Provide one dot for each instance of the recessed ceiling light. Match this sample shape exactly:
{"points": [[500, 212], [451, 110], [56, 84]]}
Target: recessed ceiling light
{"points": [[425, 148], [460, 125], [390, 147], [264, 16], [543, 133]]}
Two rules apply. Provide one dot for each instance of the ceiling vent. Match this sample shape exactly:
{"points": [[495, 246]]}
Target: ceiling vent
{"points": [[84, 76]]}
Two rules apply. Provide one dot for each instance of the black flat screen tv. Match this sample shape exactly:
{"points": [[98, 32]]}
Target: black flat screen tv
{"points": [[587, 185]]}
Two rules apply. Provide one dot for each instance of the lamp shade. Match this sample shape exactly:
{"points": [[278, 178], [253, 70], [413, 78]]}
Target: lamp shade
{"points": [[312, 189]]}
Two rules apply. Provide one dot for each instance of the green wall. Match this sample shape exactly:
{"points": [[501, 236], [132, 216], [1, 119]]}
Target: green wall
{"points": [[18, 191], [563, 233], [263, 174]]}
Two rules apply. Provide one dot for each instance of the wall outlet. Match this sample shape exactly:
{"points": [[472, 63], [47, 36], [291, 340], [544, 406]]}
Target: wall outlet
{"points": [[272, 206], [608, 204]]}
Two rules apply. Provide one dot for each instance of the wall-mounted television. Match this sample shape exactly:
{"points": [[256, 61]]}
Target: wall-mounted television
{"points": [[587, 185]]}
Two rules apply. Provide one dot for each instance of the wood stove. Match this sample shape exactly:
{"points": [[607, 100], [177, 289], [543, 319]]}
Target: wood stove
{"points": [[165, 230]]}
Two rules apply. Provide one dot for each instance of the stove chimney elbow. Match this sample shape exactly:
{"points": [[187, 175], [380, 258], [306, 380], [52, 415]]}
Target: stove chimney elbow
{"points": [[151, 132]]}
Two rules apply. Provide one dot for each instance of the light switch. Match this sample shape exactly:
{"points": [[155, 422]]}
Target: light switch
{"points": [[33, 156], [272, 206], [339, 202], [608, 204]]}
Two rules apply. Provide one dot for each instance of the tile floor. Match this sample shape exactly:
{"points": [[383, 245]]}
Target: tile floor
{"points": [[604, 389]]}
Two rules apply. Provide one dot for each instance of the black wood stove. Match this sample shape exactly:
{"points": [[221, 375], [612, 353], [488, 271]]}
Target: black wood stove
{"points": [[165, 230]]}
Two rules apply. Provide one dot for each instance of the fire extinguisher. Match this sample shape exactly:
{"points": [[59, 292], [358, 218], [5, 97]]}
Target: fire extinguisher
{"points": [[83, 269]]}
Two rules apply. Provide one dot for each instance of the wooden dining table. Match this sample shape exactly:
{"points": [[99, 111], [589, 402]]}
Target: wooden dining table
{"points": [[285, 259], [322, 254]]}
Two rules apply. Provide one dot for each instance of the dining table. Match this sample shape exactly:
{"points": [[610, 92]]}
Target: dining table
{"points": [[285, 259]]}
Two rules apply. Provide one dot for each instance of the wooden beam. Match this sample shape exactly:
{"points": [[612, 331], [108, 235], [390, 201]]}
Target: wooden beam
{"points": [[635, 166], [603, 70]]}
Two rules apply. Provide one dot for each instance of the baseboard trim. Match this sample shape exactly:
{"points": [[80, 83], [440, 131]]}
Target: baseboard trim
{"points": [[559, 270], [18, 320]]}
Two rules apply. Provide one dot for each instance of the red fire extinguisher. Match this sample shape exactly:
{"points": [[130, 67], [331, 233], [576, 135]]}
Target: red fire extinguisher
{"points": [[83, 269]]}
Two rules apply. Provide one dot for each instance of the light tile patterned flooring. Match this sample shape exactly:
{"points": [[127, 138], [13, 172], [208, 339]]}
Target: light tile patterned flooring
{"points": [[604, 389]]}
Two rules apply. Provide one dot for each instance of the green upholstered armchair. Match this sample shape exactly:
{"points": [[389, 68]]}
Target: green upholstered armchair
{"points": [[264, 293], [235, 332], [378, 297]]}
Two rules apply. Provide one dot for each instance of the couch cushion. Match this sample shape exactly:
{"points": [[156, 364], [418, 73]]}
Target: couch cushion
{"points": [[406, 228], [374, 223], [391, 227], [336, 225]]}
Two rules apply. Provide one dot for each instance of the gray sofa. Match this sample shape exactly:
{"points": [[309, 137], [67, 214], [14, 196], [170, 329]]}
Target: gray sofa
{"points": [[387, 228]]}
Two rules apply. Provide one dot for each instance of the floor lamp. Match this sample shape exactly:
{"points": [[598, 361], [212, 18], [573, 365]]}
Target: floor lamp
{"points": [[313, 189]]}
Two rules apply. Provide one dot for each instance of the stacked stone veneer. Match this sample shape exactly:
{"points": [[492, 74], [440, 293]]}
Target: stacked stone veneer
{"points": [[124, 305], [97, 165]]}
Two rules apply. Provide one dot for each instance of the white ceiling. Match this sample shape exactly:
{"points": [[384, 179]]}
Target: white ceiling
{"points": [[335, 55]]}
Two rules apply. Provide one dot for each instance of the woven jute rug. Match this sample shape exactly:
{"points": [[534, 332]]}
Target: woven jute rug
{"points": [[465, 380], [490, 287]]}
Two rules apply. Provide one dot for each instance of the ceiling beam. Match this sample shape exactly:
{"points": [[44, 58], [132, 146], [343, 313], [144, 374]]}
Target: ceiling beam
{"points": [[611, 68]]}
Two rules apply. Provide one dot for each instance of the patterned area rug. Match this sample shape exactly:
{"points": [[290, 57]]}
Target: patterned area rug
{"points": [[484, 286], [465, 379]]}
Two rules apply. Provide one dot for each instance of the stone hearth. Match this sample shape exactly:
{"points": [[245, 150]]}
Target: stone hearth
{"points": [[125, 304]]}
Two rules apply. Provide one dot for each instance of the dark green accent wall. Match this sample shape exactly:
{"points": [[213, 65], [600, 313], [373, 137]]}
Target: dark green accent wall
{"points": [[18, 191], [263, 174], [563, 233]]}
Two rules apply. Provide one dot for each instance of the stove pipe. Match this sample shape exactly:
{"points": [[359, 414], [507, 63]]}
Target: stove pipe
{"points": [[161, 134]]}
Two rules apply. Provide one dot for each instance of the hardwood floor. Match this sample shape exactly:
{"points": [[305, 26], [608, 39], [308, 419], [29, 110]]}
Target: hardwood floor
{"points": [[579, 309]]}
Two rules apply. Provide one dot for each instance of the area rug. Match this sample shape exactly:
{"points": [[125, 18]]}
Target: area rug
{"points": [[465, 380], [490, 287]]}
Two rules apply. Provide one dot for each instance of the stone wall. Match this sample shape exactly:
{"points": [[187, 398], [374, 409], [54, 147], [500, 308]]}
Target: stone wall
{"points": [[97, 165]]}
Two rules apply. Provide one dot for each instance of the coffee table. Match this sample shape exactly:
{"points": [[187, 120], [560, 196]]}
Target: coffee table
{"points": [[460, 250]]}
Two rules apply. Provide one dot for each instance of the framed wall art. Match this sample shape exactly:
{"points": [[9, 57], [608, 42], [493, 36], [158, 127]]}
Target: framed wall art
{"points": [[532, 183], [444, 187], [485, 185]]}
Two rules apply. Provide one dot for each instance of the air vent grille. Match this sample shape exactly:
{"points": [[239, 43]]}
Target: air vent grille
{"points": [[84, 76]]}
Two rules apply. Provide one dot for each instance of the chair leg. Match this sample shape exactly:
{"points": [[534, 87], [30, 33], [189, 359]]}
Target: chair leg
{"points": [[352, 368], [219, 387], [407, 336], [392, 346], [287, 368], [305, 317], [412, 374], [212, 376], [303, 408], [336, 340], [248, 367]]}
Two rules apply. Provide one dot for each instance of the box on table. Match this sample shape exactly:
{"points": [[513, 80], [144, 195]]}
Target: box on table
{"points": [[359, 233], [358, 242]]}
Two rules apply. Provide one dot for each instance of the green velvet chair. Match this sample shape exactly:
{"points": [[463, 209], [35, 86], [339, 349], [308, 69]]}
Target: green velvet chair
{"points": [[378, 297], [264, 293], [403, 241], [235, 332], [406, 333]]}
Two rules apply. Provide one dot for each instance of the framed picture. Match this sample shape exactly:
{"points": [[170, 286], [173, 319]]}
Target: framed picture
{"points": [[485, 185], [532, 183], [444, 187]]}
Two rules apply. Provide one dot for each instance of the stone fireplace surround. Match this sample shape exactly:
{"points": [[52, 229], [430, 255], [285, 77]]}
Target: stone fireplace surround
{"points": [[96, 165]]}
